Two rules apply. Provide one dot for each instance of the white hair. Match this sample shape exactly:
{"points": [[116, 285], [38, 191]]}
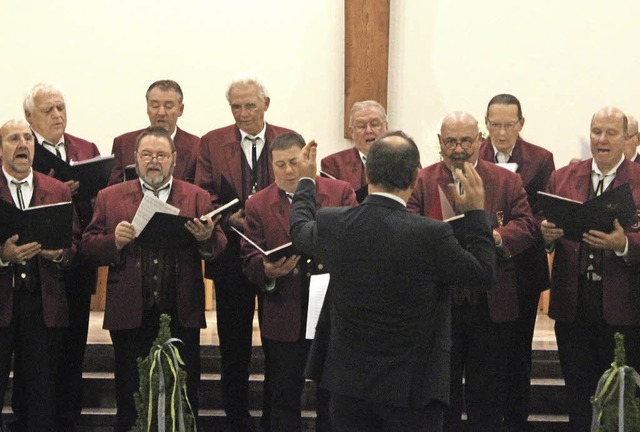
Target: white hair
{"points": [[249, 78], [42, 88]]}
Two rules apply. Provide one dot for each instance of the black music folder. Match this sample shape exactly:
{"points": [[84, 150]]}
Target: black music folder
{"points": [[285, 250], [130, 172], [93, 174], [165, 230], [576, 218], [50, 224]]}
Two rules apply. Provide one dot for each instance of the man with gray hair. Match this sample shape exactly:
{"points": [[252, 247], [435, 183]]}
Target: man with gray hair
{"points": [[632, 140], [46, 112], [367, 121], [235, 162], [164, 106]]}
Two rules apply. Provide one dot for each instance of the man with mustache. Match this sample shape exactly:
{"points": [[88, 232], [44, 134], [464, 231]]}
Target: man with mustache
{"points": [[164, 106], [33, 304], [481, 322], [146, 281], [367, 121]]}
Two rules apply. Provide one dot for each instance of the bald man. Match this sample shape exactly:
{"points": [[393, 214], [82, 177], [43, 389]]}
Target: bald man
{"points": [[33, 304], [594, 283], [632, 140], [482, 323]]}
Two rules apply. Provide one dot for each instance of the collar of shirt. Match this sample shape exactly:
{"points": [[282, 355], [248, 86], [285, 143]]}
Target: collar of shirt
{"points": [[498, 154], [164, 191], [246, 144], [596, 174], [391, 196], [27, 190], [173, 135], [52, 147], [363, 157]]}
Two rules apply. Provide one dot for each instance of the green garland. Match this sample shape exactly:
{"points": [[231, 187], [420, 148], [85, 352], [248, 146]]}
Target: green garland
{"points": [[616, 407], [161, 402]]}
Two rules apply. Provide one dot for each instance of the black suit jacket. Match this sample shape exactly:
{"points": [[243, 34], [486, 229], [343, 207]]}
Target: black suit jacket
{"points": [[388, 301]]}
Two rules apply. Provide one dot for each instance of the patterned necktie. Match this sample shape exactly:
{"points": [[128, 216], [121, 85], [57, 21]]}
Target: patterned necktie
{"points": [[56, 147]]}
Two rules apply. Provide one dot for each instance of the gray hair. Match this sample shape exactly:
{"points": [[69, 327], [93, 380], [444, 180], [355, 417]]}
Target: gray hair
{"points": [[248, 78], [359, 106], [42, 88]]}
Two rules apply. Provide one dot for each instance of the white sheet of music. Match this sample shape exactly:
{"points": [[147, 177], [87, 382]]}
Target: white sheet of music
{"points": [[318, 285], [147, 208]]}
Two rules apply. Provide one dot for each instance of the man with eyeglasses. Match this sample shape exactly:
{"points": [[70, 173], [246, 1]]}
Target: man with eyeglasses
{"points": [[534, 164], [481, 323], [594, 284], [235, 162], [146, 281], [164, 106], [367, 120], [632, 140]]}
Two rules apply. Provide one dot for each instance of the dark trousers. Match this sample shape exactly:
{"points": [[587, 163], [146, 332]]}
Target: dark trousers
{"points": [[235, 306], [477, 356], [128, 345], [517, 389], [350, 414], [286, 382], [39, 352], [586, 350], [80, 285]]}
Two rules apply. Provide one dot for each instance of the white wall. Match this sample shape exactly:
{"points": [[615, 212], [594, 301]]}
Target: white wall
{"points": [[563, 59]]}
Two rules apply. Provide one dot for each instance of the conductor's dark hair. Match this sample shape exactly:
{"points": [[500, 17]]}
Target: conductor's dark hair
{"points": [[156, 131], [393, 164], [286, 141], [505, 99]]}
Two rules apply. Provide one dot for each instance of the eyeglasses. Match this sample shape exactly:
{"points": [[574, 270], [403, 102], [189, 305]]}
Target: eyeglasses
{"points": [[506, 126], [148, 157], [465, 142], [374, 125]]}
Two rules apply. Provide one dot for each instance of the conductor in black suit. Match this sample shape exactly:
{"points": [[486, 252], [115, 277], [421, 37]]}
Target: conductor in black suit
{"points": [[387, 354]]}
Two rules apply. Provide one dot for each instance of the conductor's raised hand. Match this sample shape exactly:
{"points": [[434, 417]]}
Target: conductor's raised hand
{"points": [[472, 197], [307, 166]]}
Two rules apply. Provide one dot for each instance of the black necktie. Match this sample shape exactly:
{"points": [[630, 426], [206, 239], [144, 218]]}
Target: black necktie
{"points": [[254, 165], [56, 148], [156, 192], [600, 186], [18, 186]]}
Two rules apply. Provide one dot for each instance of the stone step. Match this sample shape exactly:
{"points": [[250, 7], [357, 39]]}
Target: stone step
{"points": [[547, 395], [102, 419]]}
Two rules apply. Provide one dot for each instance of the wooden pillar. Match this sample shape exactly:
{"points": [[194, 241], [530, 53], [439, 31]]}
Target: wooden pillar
{"points": [[366, 62]]}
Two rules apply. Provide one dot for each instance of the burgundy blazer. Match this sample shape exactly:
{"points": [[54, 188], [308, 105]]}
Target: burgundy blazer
{"points": [[47, 190], [124, 306], [345, 165], [267, 224], [620, 279], [186, 153], [535, 165], [221, 155], [505, 196]]}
